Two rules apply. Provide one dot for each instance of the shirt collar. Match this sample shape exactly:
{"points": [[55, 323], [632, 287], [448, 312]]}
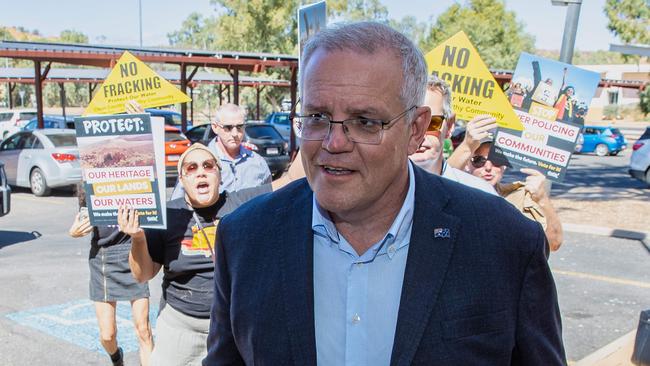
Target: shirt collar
{"points": [[243, 152], [399, 232]]}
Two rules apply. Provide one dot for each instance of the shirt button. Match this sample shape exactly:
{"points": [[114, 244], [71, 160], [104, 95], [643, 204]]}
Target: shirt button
{"points": [[391, 249], [359, 265], [356, 319]]}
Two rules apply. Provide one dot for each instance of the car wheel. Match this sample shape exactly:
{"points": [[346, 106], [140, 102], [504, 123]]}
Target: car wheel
{"points": [[38, 184], [602, 150]]}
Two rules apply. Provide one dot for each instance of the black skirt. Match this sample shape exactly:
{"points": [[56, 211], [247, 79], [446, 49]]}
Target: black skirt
{"points": [[110, 275]]}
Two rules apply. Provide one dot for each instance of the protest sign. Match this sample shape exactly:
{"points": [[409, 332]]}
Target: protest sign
{"points": [[551, 99], [132, 79], [474, 90], [311, 18], [122, 163]]}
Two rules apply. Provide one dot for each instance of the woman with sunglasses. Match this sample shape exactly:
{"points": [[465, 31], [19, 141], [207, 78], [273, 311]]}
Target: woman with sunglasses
{"points": [[185, 252], [530, 196]]}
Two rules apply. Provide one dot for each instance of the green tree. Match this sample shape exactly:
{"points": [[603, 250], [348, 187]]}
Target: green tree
{"points": [[73, 36], [644, 100], [494, 31], [5, 35], [357, 10], [410, 27], [629, 20]]}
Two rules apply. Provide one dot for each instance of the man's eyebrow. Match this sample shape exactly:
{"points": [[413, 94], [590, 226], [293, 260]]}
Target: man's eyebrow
{"points": [[351, 110]]}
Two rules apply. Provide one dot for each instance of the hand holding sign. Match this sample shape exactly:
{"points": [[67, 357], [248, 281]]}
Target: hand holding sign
{"points": [[80, 227], [535, 184], [133, 107], [477, 129], [127, 219]]}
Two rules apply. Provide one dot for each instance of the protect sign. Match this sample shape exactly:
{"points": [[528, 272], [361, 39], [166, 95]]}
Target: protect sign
{"points": [[132, 79], [551, 99], [474, 90]]}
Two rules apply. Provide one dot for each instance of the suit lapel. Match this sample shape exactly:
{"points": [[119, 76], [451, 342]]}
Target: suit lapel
{"points": [[293, 230], [428, 257]]}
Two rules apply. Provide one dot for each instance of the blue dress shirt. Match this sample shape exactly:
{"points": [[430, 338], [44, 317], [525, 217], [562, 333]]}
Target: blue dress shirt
{"points": [[356, 298], [246, 170]]}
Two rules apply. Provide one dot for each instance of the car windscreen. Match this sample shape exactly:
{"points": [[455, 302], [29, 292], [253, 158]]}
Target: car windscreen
{"points": [[263, 132], [281, 119], [171, 136], [63, 140], [27, 115], [646, 134]]}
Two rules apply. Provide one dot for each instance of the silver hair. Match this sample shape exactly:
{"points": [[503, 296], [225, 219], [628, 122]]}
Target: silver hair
{"points": [[368, 38], [228, 108], [435, 83]]}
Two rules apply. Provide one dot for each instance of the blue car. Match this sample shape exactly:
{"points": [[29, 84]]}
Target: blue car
{"points": [[171, 118], [603, 140], [50, 121]]}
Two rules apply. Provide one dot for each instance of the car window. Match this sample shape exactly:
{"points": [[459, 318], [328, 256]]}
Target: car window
{"points": [[171, 136], [196, 133], [5, 117], [281, 119], [31, 125], [37, 144], [616, 131], [11, 143], [176, 120], [28, 141], [589, 131], [263, 132], [50, 124], [27, 115], [646, 134], [63, 140], [69, 124], [606, 132]]}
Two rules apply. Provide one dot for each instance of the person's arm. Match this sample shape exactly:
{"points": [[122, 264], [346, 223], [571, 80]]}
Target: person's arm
{"points": [[536, 185], [538, 341], [476, 130], [142, 266], [80, 227]]}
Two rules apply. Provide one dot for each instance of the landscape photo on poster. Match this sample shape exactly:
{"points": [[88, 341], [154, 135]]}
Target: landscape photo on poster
{"points": [[551, 99], [118, 163]]}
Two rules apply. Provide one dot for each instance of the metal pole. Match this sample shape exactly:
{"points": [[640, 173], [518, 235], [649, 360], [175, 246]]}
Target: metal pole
{"points": [[38, 85], [184, 105], [62, 96], [140, 10], [570, 30]]}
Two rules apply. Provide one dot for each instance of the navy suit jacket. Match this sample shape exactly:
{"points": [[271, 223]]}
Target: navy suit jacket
{"points": [[482, 296]]}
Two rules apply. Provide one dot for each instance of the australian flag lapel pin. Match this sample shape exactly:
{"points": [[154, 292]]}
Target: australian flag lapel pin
{"points": [[441, 232]]}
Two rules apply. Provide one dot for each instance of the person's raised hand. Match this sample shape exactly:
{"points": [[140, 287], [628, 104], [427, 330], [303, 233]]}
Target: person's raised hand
{"points": [[535, 184], [133, 107], [80, 227], [127, 220], [477, 129]]}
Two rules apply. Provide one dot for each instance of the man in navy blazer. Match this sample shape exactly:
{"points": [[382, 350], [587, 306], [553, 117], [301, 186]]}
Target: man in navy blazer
{"points": [[371, 260]]}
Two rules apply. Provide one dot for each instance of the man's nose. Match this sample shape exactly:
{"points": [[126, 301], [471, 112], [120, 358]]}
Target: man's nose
{"points": [[336, 139]]}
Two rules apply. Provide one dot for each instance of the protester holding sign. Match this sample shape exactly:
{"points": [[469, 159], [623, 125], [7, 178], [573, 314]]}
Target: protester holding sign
{"points": [[185, 251], [111, 281], [530, 196]]}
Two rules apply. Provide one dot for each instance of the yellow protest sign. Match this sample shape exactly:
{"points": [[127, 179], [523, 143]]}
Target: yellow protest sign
{"points": [[132, 79], [474, 90]]}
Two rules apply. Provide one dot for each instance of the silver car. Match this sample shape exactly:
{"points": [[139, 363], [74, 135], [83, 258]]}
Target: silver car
{"points": [[41, 159]]}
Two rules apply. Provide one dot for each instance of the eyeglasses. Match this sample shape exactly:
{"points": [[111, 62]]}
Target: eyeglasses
{"points": [[317, 127], [435, 125], [192, 168], [478, 161], [229, 128]]}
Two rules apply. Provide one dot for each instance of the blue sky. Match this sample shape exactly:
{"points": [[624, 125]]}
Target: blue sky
{"points": [[117, 20]]}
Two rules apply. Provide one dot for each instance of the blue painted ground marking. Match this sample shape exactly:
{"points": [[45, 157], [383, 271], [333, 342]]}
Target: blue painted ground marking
{"points": [[75, 322]]}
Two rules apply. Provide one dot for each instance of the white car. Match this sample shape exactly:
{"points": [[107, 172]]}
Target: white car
{"points": [[640, 160], [11, 120]]}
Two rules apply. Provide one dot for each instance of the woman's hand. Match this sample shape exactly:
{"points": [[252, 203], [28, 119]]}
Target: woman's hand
{"points": [[127, 219], [80, 227]]}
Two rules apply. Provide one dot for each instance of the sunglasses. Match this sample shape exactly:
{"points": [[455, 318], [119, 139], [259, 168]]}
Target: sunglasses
{"points": [[435, 125], [229, 128], [478, 161], [192, 168]]}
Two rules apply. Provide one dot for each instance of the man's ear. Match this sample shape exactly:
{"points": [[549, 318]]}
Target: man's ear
{"points": [[419, 127], [451, 125], [214, 128]]}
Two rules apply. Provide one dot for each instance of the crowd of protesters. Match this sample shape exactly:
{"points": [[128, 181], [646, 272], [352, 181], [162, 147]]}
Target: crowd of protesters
{"points": [[372, 248]]}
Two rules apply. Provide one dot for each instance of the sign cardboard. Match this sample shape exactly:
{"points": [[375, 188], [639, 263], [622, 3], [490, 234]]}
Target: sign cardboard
{"points": [[551, 99], [121, 165], [132, 79], [474, 90]]}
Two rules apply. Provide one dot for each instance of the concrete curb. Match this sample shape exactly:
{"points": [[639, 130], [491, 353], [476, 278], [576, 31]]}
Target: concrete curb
{"points": [[641, 236], [617, 353]]}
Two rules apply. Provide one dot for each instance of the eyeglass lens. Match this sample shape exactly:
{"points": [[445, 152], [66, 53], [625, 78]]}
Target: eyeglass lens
{"points": [[209, 166]]}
